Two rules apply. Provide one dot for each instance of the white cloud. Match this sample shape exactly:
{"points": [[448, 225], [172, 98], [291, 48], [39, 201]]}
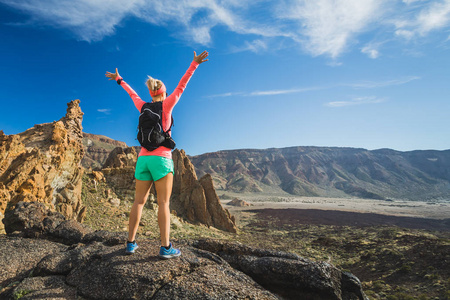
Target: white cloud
{"points": [[355, 85], [327, 27], [106, 111], [319, 27], [89, 20], [356, 101], [225, 95], [281, 92], [412, 1], [407, 34], [370, 51], [431, 17], [378, 84], [267, 92], [255, 46], [436, 16]]}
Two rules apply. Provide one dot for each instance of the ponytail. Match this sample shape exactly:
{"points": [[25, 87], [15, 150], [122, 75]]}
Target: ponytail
{"points": [[153, 84]]}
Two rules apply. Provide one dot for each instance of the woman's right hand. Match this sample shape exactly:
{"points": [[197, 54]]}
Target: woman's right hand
{"points": [[112, 76], [201, 57]]}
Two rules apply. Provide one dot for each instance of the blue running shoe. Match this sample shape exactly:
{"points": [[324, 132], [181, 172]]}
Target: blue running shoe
{"points": [[131, 247], [171, 253]]}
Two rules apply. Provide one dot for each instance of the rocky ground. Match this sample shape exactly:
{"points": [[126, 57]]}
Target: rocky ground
{"points": [[45, 256], [395, 254]]}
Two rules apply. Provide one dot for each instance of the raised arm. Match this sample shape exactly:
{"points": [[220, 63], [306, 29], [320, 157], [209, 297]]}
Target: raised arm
{"points": [[170, 101], [138, 102]]}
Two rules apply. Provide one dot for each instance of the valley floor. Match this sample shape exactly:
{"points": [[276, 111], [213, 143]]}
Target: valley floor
{"points": [[416, 209], [398, 249]]}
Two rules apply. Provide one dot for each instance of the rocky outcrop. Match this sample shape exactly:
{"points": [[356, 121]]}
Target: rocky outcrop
{"points": [[238, 202], [118, 171], [287, 274], [93, 265], [43, 164], [331, 171], [97, 149], [121, 157], [34, 220], [197, 199]]}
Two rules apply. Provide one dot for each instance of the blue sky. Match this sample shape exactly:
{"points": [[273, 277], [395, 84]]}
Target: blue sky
{"points": [[350, 73]]}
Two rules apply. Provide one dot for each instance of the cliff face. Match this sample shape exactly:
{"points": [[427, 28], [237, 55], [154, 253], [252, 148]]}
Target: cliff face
{"points": [[97, 149], [326, 171], [43, 164]]}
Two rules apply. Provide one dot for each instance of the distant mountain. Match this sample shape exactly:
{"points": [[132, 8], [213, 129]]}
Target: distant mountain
{"points": [[327, 171], [97, 149]]}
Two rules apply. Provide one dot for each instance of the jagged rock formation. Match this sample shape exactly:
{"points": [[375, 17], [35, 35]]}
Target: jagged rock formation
{"points": [[73, 262], [326, 171], [43, 164], [97, 149], [197, 199]]}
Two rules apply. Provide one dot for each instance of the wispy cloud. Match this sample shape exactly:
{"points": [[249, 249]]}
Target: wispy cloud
{"points": [[356, 101], [431, 17], [281, 92], [371, 51], [378, 84], [88, 20], [225, 95], [355, 85], [255, 46], [320, 27], [266, 92], [105, 111]]}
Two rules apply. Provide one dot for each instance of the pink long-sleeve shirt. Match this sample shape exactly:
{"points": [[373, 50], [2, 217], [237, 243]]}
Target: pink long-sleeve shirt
{"points": [[168, 105]]}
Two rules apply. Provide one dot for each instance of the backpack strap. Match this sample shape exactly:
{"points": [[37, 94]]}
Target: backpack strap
{"points": [[171, 124]]}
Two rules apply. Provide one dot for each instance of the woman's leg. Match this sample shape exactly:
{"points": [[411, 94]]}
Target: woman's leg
{"points": [[142, 190], [163, 191]]}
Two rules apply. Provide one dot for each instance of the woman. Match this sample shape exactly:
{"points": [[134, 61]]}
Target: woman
{"points": [[157, 165]]}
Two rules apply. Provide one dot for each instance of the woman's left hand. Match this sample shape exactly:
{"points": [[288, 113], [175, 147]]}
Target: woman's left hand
{"points": [[201, 58]]}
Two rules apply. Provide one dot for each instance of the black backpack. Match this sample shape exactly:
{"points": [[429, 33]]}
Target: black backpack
{"points": [[150, 131]]}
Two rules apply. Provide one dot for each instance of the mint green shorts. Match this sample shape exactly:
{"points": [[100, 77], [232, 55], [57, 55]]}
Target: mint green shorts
{"points": [[152, 168]]}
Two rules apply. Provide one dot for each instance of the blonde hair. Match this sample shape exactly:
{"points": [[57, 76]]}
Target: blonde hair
{"points": [[153, 84]]}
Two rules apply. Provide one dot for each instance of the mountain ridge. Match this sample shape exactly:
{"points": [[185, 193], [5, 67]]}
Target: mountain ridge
{"points": [[328, 171], [331, 171]]}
